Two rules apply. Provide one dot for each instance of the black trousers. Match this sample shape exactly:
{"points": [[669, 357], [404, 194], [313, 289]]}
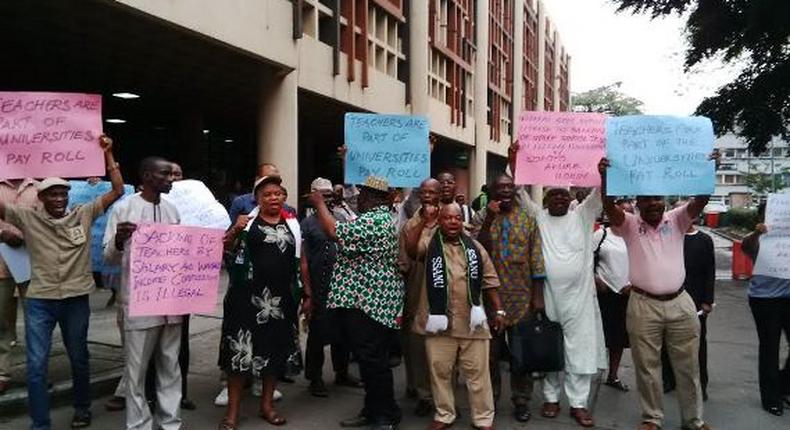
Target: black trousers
{"points": [[183, 356], [771, 317], [314, 356], [370, 342], [669, 375]]}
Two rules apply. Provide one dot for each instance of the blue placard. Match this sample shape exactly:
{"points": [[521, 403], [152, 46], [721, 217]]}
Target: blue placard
{"points": [[394, 147], [82, 192], [659, 155]]}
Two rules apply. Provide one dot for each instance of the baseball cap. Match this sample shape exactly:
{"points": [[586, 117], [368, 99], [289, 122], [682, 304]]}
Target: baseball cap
{"points": [[321, 184], [52, 182], [265, 180]]}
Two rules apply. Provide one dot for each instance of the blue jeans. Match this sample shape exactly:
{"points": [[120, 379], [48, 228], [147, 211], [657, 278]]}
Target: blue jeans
{"points": [[72, 315]]}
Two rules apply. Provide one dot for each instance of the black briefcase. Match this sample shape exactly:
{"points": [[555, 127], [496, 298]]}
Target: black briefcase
{"points": [[537, 345]]}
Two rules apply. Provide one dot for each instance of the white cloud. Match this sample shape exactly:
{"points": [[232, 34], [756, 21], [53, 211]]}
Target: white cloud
{"points": [[646, 55]]}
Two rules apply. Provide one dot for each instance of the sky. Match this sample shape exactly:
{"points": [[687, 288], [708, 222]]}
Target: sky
{"points": [[646, 56]]}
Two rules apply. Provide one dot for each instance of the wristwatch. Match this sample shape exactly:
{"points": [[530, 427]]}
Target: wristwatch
{"points": [[501, 313]]}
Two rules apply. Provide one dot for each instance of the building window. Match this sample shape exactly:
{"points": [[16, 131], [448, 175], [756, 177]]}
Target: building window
{"points": [[529, 57], [451, 35], [548, 70], [500, 67]]}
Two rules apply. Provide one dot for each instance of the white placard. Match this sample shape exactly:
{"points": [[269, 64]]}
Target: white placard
{"points": [[774, 255], [197, 206]]}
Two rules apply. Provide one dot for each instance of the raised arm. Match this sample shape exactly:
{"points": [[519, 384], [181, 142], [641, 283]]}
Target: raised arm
{"points": [[325, 218], [751, 243], [429, 215], [115, 174], [698, 203], [615, 214]]}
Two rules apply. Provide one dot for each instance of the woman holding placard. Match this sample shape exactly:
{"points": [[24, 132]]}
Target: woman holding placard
{"points": [[260, 309]]}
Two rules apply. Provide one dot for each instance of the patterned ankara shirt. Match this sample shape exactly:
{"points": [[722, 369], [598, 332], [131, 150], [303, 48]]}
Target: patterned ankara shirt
{"points": [[518, 259], [366, 276]]}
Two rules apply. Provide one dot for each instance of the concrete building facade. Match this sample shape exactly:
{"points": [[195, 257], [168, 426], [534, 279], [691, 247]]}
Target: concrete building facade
{"points": [[737, 163], [224, 85]]}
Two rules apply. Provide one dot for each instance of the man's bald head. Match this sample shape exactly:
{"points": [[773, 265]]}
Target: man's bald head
{"points": [[451, 220], [429, 192], [267, 169]]}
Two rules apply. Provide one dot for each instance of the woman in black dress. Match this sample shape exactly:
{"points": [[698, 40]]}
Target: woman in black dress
{"points": [[260, 308]]}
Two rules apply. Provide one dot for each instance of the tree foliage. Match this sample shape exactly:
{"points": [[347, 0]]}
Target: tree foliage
{"points": [[607, 99], [756, 104]]}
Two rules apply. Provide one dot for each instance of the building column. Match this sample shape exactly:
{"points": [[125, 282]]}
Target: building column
{"points": [[418, 57], [557, 62], [537, 190], [518, 64], [479, 158], [278, 140]]}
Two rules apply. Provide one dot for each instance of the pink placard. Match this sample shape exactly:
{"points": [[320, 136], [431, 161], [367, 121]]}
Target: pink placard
{"points": [[174, 270], [560, 148], [50, 134]]}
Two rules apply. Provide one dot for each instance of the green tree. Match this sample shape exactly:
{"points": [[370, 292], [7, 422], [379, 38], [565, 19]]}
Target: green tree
{"points": [[756, 104], [607, 99], [762, 183]]}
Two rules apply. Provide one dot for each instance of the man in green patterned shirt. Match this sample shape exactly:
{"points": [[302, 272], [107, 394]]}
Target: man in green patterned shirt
{"points": [[367, 292]]}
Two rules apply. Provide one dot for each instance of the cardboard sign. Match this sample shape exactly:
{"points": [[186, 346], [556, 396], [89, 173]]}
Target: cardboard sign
{"points": [[394, 147], [82, 192], [174, 270], [774, 255], [560, 148], [197, 206], [659, 155], [50, 134]]}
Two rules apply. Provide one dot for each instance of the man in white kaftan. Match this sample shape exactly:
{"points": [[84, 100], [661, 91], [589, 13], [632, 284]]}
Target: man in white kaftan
{"points": [[570, 295]]}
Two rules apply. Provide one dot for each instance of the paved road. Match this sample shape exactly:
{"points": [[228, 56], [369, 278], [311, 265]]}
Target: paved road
{"points": [[733, 405]]}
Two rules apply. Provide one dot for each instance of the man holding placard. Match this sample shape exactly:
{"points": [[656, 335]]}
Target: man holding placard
{"points": [[61, 280], [20, 192], [660, 311], [146, 336]]}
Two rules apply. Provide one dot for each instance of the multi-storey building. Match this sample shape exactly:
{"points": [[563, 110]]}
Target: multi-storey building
{"points": [[223, 85], [737, 163]]}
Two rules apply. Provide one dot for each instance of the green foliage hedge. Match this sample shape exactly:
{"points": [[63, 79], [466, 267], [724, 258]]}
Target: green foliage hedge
{"points": [[742, 218]]}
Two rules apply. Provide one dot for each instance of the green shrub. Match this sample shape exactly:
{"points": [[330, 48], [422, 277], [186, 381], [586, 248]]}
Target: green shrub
{"points": [[741, 218]]}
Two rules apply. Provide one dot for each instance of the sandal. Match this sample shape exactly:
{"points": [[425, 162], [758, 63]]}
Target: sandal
{"points": [[272, 418], [226, 424], [617, 384], [582, 417]]}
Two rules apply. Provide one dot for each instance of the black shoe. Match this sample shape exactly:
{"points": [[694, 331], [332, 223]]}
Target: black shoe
{"points": [[383, 426], [318, 389], [358, 421], [188, 404], [522, 413], [286, 379], [81, 420], [775, 410], [395, 361], [346, 380], [424, 408]]}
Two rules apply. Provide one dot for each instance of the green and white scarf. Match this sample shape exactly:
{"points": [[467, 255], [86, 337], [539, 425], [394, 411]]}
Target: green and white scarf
{"points": [[437, 283]]}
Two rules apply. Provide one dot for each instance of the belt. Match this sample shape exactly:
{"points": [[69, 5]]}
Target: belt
{"points": [[659, 297]]}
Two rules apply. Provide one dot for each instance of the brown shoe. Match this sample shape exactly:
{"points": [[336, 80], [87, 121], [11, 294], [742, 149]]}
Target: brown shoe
{"points": [[648, 426], [582, 416], [550, 410], [438, 425]]}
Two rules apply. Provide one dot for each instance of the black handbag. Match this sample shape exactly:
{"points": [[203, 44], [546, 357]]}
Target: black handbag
{"points": [[537, 345]]}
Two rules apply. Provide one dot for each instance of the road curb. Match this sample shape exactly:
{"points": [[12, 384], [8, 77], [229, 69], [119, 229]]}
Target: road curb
{"points": [[14, 402]]}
